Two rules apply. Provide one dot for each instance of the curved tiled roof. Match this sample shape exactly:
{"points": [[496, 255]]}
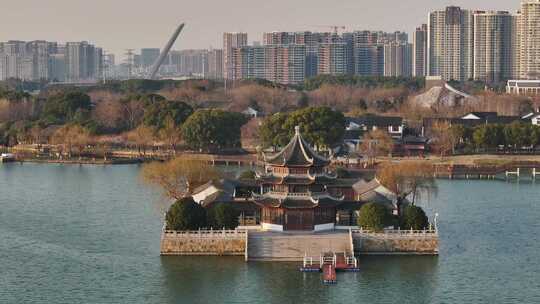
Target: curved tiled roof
{"points": [[292, 203], [295, 180], [297, 153]]}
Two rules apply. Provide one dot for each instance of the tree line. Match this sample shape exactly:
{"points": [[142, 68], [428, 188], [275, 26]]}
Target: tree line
{"points": [[70, 115], [449, 139]]}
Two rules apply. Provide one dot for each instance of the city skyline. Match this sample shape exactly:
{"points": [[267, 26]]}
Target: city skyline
{"points": [[102, 23]]}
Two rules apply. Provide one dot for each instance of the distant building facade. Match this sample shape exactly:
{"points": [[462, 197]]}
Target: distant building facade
{"points": [[149, 56], [231, 41], [529, 39], [420, 51], [493, 50], [283, 64], [450, 44], [398, 59], [523, 87], [83, 62], [215, 64]]}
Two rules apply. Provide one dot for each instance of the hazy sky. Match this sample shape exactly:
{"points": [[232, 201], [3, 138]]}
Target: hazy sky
{"points": [[119, 24]]}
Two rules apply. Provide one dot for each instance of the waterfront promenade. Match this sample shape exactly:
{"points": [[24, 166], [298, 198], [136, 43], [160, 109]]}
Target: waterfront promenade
{"points": [[257, 245]]}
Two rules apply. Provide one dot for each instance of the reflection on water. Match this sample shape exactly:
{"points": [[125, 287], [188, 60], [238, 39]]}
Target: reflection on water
{"points": [[208, 280], [90, 234]]}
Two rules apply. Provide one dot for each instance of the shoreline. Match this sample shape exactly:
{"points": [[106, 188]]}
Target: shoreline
{"points": [[81, 162]]}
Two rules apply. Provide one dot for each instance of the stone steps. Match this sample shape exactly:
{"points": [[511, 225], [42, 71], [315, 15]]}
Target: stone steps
{"points": [[290, 247]]}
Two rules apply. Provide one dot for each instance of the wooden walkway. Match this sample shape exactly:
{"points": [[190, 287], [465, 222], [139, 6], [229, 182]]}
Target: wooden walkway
{"points": [[487, 171], [329, 274], [330, 263]]}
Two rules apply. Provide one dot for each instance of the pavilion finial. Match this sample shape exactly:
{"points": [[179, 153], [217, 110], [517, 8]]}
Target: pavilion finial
{"points": [[297, 130]]}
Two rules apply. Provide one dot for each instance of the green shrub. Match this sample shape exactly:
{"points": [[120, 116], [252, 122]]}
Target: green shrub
{"points": [[414, 217], [248, 175], [342, 172], [223, 216], [374, 216], [185, 214]]}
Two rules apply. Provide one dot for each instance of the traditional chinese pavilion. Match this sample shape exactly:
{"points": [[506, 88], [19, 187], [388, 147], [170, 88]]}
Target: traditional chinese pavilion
{"points": [[294, 189]]}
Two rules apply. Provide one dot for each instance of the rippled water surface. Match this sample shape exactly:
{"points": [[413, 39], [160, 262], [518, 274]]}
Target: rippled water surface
{"points": [[90, 234]]}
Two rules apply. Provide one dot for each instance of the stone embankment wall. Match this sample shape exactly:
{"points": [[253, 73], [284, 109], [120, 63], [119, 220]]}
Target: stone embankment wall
{"points": [[396, 242], [224, 242]]}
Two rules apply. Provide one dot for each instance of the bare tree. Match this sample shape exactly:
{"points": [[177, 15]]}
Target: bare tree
{"points": [[142, 137], [109, 113], [444, 138], [180, 176], [377, 143], [171, 134], [69, 137], [410, 178], [133, 112]]}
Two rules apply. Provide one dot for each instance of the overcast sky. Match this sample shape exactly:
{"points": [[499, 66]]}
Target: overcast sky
{"points": [[119, 24]]}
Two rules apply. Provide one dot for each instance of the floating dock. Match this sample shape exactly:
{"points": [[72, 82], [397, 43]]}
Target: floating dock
{"points": [[330, 263]]}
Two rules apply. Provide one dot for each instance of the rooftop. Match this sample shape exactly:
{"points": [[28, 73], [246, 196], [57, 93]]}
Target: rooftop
{"points": [[298, 153], [376, 120]]}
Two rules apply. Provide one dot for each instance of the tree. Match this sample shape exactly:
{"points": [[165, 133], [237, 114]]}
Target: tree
{"points": [[272, 132], [321, 126], [185, 214], [535, 136], [377, 143], [206, 130], [414, 218], [480, 136], [515, 135], [67, 106], [158, 110], [109, 114], [71, 136], [223, 216], [142, 136], [374, 216], [180, 176], [408, 178], [445, 137], [171, 134], [133, 111]]}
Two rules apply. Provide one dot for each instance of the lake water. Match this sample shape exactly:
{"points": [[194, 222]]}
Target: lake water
{"points": [[90, 234]]}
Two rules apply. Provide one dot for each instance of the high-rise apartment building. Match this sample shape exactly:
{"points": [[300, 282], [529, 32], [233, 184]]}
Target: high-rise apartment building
{"points": [[149, 57], [273, 38], [83, 62], [44, 60], [368, 59], [231, 41], [450, 44], [186, 63], [332, 58], [419, 60], [215, 64], [528, 24], [16, 60], [493, 49], [249, 62], [57, 67], [283, 63], [397, 59]]}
